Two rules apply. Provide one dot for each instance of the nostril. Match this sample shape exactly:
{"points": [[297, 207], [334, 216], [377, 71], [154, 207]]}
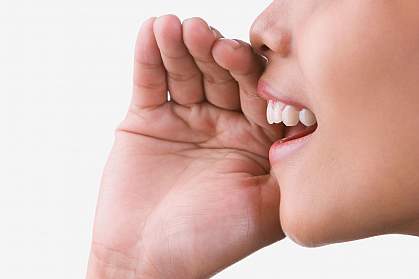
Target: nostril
{"points": [[263, 51], [264, 48]]}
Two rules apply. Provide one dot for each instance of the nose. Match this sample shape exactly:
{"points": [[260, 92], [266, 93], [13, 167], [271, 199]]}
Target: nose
{"points": [[269, 35]]}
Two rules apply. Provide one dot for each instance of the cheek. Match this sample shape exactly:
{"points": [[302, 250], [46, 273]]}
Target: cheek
{"points": [[357, 172], [349, 52]]}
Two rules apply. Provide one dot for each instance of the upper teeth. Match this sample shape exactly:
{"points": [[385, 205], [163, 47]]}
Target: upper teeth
{"points": [[278, 112]]}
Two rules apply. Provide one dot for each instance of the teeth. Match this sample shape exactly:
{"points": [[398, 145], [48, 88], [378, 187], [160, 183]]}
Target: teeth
{"points": [[307, 117], [290, 116], [277, 112], [274, 112], [269, 112]]}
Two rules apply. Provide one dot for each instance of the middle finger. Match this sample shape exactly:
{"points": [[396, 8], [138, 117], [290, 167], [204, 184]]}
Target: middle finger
{"points": [[184, 77]]}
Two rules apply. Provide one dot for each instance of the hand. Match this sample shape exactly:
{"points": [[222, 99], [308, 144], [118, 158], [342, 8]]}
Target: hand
{"points": [[187, 190]]}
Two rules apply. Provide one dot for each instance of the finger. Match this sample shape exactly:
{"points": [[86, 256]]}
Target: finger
{"points": [[150, 86], [220, 88], [184, 77], [246, 67]]}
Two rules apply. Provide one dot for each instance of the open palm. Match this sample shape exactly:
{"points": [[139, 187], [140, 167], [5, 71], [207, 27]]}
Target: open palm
{"points": [[187, 189]]}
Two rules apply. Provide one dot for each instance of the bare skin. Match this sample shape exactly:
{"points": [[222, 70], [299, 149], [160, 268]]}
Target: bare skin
{"points": [[355, 63], [187, 189]]}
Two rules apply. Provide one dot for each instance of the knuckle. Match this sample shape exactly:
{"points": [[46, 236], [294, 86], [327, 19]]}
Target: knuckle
{"points": [[147, 65], [213, 80], [181, 77]]}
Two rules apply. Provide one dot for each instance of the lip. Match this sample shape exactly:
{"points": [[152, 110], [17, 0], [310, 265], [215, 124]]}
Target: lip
{"points": [[267, 92], [286, 146]]}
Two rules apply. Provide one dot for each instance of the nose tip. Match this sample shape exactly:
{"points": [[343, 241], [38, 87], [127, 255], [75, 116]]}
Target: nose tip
{"points": [[256, 38], [269, 40]]}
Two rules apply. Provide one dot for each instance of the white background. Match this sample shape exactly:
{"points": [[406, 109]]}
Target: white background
{"points": [[65, 72]]}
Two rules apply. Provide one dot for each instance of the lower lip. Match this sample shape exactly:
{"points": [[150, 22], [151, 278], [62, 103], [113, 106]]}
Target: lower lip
{"points": [[280, 150]]}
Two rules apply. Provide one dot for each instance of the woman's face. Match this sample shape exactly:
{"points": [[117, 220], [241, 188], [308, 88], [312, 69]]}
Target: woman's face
{"points": [[355, 64]]}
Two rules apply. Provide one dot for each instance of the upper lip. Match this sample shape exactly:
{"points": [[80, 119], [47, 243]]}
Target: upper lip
{"points": [[266, 91]]}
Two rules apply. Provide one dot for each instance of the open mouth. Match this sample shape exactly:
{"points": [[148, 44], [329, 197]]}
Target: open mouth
{"points": [[296, 122], [296, 132]]}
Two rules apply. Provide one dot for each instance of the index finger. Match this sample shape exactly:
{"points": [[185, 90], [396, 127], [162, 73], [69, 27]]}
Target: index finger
{"points": [[246, 67]]}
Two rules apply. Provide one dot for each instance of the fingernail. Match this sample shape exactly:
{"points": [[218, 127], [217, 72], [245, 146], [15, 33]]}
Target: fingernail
{"points": [[186, 20], [232, 43], [216, 33]]}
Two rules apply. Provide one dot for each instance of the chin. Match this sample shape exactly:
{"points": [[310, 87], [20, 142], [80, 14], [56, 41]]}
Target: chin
{"points": [[311, 221], [303, 227], [315, 211], [306, 227]]}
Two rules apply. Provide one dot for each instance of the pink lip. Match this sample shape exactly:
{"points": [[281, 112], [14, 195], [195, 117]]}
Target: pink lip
{"points": [[284, 147], [281, 149], [267, 92]]}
